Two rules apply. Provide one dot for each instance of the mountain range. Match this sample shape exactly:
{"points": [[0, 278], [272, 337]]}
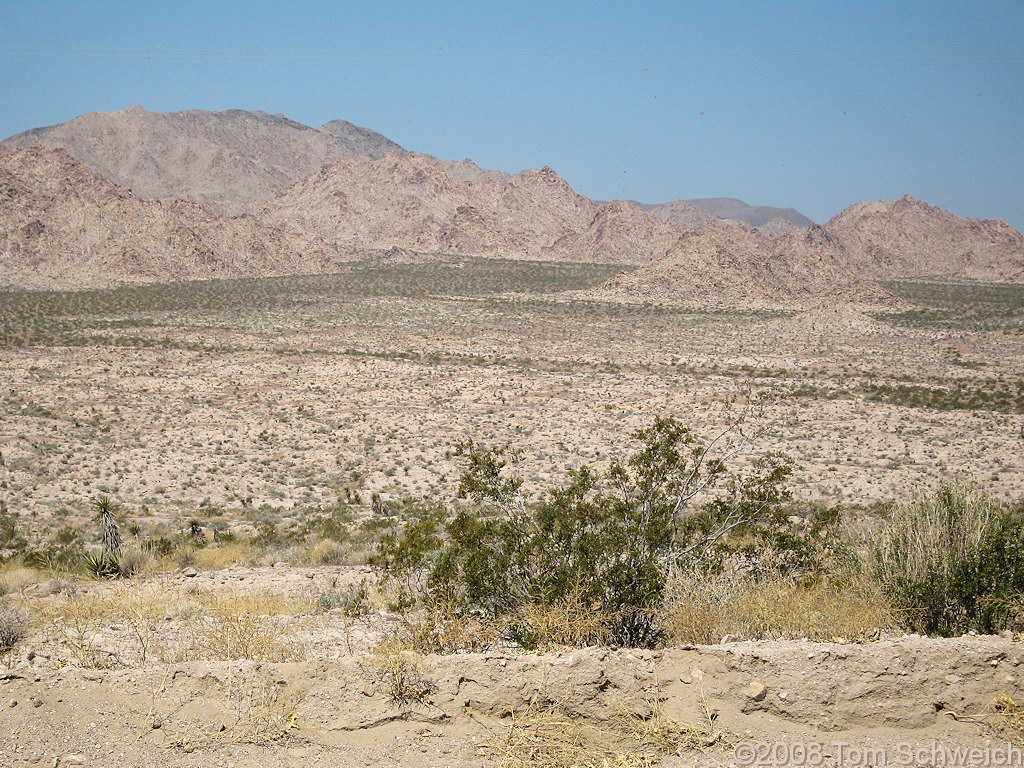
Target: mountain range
{"points": [[139, 196]]}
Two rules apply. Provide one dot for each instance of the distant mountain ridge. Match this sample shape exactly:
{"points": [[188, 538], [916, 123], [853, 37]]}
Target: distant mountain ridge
{"points": [[755, 215], [192, 210], [232, 156], [707, 210], [226, 158]]}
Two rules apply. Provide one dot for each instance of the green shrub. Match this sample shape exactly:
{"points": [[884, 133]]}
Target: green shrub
{"points": [[605, 542], [406, 555], [102, 565], [9, 538], [159, 547], [63, 553], [953, 562], [353, 601]]}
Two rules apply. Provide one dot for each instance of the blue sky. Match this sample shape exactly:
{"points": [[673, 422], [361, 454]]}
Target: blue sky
{"points": [[814, 105]]}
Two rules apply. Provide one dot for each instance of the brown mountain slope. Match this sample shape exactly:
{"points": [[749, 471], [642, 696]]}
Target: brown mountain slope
{"points": [[909, 238], [777, 227], [467, 170], [755, 215], [620, 233], [680, 213], [358, 141], [407, 201], [63, 225], [868, 241], [224, 157], [739, 266]]}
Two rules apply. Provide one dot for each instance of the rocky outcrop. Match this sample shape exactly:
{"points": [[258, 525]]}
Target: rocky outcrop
{"points": [[225, 158], [909, 238], [62, 225]]}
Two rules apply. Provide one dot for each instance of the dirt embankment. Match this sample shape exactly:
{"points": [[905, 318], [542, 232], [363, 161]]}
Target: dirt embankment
{"points": [[766, 699]]}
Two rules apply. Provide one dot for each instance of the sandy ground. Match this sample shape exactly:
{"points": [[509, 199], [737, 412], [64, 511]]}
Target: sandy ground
{"points": [[338, 702]]}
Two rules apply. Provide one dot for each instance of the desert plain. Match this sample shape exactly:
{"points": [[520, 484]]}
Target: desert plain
{"points": [[240, 403]]}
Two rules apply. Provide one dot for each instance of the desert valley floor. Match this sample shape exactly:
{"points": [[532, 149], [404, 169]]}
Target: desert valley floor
{"points": [[249, 400]]}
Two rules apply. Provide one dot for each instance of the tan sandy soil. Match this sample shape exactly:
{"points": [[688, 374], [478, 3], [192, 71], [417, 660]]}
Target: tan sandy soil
{"points": [[334, 704]]}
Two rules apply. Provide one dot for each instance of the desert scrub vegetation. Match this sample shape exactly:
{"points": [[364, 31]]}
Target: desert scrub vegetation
{"points": [[547, 735], [702, 607], [601, 544], [88, 317], [132, 625], [14, 627], [953, 561], [966, 306]]}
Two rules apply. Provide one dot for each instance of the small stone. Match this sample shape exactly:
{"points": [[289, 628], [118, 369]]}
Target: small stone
{"points": [[73, 759], [730, 638], [190, 573], [783, 695], [37, 703], [756, 691], [12, 703], [367, 690]]}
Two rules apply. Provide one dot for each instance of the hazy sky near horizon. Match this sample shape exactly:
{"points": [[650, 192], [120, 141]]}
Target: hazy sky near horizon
{"points": [[810, 104]]}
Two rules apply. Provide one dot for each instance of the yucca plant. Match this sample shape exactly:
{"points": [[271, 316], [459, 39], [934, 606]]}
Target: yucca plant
{"points": [[102, 565], [105, 510]]}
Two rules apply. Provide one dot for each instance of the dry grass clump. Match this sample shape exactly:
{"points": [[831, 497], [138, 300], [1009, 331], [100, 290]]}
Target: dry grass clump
{"points": [[328, 552], [400, 671], [14, 626], [1002, 715], [703, 610], [552, 738], [442, 628], [84, 624], [76, 622], [663, 735], [933, 533], [217, 557], [255, 709], [568, 623], [16, 578], [253, 626]]}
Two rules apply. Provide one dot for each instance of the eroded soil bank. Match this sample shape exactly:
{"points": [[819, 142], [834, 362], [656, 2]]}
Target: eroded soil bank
{"points": [[773, 703]]}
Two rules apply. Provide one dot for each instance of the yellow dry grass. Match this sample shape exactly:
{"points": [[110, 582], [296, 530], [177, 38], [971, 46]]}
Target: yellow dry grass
{"points": [[400, 671], [703, 611], [568, 623], [220, 556], [257, 626], [14, 578], [254, 709], [1002, 715], [550, 737]]}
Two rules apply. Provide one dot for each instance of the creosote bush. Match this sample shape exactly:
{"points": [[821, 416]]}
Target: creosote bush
{"points": [[599, 544]]}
